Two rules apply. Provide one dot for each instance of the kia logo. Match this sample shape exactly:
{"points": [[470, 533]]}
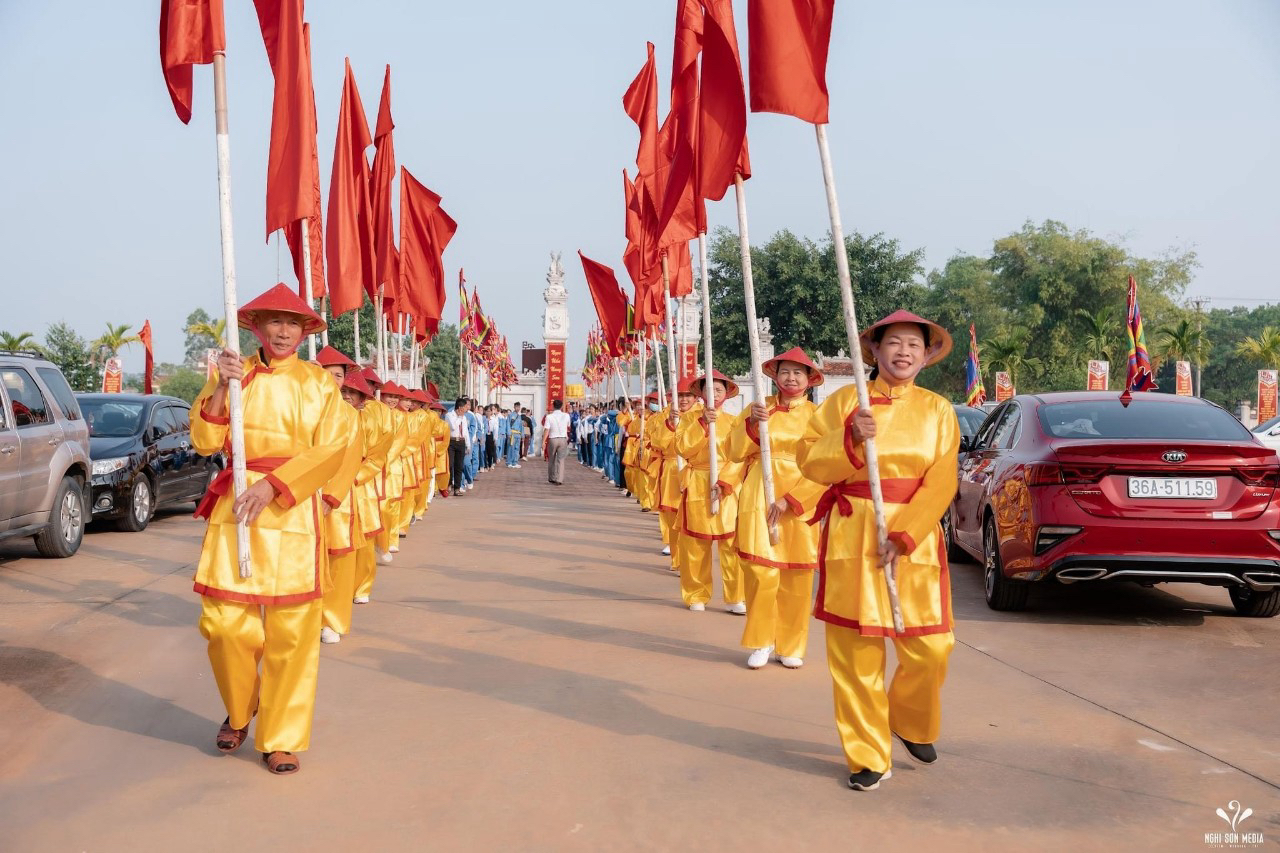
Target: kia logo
{"points": [[1174, 457]]}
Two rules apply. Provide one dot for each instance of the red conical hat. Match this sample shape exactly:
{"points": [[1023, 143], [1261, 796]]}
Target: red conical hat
{"points": [[437, 405], [419, 396], [356, 382], [391, 389], [652, 398], [280, 299], [940, 342], [685, 385], [371, 377], [731, 387], [433, 390], [797, 355], [328, 357]]}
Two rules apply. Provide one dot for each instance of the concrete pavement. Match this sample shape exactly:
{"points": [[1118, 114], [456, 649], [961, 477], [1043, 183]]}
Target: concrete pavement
{"points": [[526, 678]]}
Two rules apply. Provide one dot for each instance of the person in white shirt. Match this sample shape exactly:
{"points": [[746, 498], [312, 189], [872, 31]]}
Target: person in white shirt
{"points": [[459, 442], [556, 423]]}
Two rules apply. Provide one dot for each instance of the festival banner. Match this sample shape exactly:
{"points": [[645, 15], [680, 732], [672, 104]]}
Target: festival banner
{"points": [[555, 371], [113, 377], [1004, 387], [1266, 395], [1182, 386], [1099, 375]]}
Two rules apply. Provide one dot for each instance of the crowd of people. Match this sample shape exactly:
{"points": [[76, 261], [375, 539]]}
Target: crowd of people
{"points": [[341, 465]]}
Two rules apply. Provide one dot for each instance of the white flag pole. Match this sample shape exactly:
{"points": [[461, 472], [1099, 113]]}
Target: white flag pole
{"points": [[708, 389]]}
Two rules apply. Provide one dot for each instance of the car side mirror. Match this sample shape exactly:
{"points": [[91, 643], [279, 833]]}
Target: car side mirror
{"points": [[1275, 431], [966, 444]]}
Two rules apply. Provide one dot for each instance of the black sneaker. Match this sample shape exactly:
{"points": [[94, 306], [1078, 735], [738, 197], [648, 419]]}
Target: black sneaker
{"points": [[922, 753], [868, 780]]}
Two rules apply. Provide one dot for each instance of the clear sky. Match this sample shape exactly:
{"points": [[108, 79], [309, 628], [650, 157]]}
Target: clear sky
{"points": [[1157, 122]]}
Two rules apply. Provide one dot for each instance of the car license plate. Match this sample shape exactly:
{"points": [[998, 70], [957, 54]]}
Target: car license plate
{"points": [[1184, 488]]}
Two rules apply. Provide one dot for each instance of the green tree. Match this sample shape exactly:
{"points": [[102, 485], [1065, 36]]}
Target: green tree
{"points": [[442, 366], [113, 340], [961, 294], [1227, 381], [203, 333], [72, 354], [1183, 341], [1008, 350], [19, 342], [1263, 350], [184, 383], [342, 333]]}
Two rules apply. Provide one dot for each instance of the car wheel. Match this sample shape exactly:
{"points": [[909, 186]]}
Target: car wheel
{"points": [[141, 506], [954, 552], [1251, 602], [65, 532], [1001, 593]]}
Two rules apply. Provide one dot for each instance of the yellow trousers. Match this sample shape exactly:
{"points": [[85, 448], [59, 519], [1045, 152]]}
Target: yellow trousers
{"points": [[865, 714], [695, 570], [366, 571], [779, 603], [286, 642], [406, 511], [337, 599], [667, 522], [420, 501], [390, 511], [648, 490]]}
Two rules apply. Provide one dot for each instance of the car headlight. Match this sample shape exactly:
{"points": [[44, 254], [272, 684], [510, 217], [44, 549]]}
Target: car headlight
{"points": [[108, 466]]}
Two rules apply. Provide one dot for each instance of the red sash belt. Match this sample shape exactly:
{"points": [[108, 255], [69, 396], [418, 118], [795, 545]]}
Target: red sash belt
{"points": [[222, 483], [896, 490]]}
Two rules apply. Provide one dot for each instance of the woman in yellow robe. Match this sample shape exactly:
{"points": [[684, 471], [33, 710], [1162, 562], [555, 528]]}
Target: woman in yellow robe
{"points": [[917, 439], [779, 578], [671, 472], [264, 630], [701, 527], [441, 431]]}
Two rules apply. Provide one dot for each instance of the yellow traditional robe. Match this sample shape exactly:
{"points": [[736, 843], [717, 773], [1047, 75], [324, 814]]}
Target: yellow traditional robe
{"points": [[664, 466], [377, 442], [294, 435], [341, 520], [917, 442], [797, 546], [691, 443]]}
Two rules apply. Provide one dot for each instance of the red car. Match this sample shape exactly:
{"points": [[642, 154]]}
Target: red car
{"points": [[1075, 487]]}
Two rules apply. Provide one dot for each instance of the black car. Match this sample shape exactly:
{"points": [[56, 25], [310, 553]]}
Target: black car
{"points": [[142, 456]]}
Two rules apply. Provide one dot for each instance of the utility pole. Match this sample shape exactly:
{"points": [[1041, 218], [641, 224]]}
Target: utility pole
{"points": [[1199, 303]]}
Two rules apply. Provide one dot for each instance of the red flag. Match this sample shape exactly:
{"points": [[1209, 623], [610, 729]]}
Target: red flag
{"points": [[610, 302], [722, 102], [349, 234], [641, 104], [425, 232], [788, 42], [315, 222], [683, 215], [384, 171], [290, 183], [680, 268], [144, 335], [191, 32]]}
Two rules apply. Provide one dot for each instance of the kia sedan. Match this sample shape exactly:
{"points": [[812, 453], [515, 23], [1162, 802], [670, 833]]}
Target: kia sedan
{"points": [[1078, 487]]}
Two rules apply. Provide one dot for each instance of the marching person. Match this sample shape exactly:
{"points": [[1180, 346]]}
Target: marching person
{"points": [[650, 464], [702, 528], [515, 437], [917, 439], [491, 430], [670, 473], [263, 630], [779, 578], [459, 443], [556, 425], [380, 413], [441, 427]]}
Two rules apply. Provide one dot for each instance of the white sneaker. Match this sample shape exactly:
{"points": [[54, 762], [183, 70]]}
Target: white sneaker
{"points": [[666, 550], [738, 608], [328, 636], [517, 465], [791, 663], [394, 549], [698, 608], [759, 657], [360, 599], [383, 557]]}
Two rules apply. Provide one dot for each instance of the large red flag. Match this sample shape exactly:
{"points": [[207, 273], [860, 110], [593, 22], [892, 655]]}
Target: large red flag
{"points": [[641, 104], [425, 232], [291, 158], [384, 171], [144, 335], [610, 302], [349, 234], [722, 103], [683, 215], [191, 32], [788, 41], [680, 267]]}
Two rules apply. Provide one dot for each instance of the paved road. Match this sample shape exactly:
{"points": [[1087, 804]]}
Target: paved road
{"points": [[526, 679]]}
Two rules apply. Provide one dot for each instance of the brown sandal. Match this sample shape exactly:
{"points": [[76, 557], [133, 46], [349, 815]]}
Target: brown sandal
{"points": [[281, 763], [229, 739]]}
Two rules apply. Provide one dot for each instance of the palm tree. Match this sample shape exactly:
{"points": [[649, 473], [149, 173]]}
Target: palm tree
{"points": [[20, 341], [1009, 351], [1100, 328], [113, 340], [1183, 342], [217, 330], [1264, 349]]}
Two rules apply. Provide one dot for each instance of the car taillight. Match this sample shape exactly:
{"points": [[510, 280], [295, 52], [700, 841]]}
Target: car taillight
{"points": [[1048, 536], [1260, 475], [1057, 474]]}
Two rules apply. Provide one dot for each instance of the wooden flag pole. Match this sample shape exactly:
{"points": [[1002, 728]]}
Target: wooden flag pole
{"points": [[644, 389], [753, 341], [671, 334], [381, 340], [306, 282], [235, 402], [355, 320], [708, 390], [859, 372]]}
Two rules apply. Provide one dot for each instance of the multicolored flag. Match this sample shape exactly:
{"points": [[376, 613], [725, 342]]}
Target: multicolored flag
{"points": [[975, 392], [1141, 374]]}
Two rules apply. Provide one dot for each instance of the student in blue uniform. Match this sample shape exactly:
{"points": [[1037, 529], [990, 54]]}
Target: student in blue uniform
{"points": [[515, 437]]}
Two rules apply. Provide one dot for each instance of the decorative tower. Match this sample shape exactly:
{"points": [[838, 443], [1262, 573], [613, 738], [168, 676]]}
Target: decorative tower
{"points": [[555, 328]]}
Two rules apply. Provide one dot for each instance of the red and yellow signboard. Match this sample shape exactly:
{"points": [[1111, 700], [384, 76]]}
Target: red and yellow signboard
{"points": [[555, 372], [1099, 375], [1266, 395], [689, 360], [1182, 386], [1004, 387], [112, 377]]}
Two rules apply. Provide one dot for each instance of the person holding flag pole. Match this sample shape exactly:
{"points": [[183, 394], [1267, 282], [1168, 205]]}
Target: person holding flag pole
{"points": [[865, 543]]}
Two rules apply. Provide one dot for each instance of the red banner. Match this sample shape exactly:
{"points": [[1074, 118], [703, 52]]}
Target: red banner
{"points": [[555, 372], [1182, 386], [1004, 387], [689, 362], [113, 377], [1099, 375], [1266, 395]]}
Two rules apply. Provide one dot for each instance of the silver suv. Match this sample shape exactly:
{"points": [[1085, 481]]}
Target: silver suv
{"points": [[44, 456]]}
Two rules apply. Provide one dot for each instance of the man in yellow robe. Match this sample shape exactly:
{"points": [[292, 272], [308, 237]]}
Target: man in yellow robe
{"points": [[671, 472], [916, 439], [264, 630]]}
